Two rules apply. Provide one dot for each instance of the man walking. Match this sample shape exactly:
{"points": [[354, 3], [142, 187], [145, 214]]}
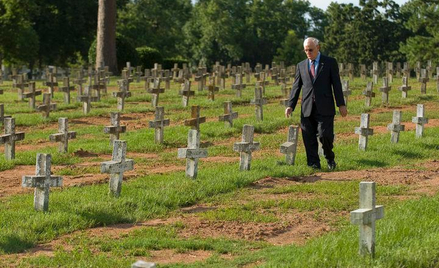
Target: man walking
{"points": [[319, 80]]}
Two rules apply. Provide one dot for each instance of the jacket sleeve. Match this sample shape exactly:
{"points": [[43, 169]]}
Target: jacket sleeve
{"points": [[295, 91], [336, 84]]}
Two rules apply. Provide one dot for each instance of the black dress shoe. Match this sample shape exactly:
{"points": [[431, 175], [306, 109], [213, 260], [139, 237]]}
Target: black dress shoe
{"points": [[315, 166], [332, 165]]}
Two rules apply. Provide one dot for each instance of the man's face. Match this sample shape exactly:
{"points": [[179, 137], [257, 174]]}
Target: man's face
{"points": [[311, 50]]}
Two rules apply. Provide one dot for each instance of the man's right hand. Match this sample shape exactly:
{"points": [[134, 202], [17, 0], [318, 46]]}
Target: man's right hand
{"points": [[288, 112]]}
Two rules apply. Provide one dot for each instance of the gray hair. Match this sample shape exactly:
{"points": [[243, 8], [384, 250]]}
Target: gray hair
{"points": [[311, 39]]}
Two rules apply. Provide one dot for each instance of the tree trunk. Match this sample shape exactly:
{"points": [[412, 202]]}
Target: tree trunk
{"points": [[106, 36]]}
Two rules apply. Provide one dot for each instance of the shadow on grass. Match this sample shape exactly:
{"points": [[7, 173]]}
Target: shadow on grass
{"points": [[371, 163], [407, 154], [12, 243]]}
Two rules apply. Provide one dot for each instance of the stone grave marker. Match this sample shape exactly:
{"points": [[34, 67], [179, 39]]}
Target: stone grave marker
{"points": [[368, 92], [175, 71], [66, 88], [201, 78], [20, 84], [389, 71], [238, 86], [246, 147], [63, 135], [351, 70], [186, 92], [366, 216], [192, 153], [385, 91], [51, 83], [398, 69], [122, 94], [47, 105], [126, 75], [138, 73], [289, 147], [159, 123], [79, 80], [405, 87], [262, 81], [364, 131], [346, 91], [259, 101], [10, 137], [32, 94], [396, 126], [418, 70], [143, 264], [195, 120], [424, 79], [212, 88], [228, 115], [375, 72], [248, 72], [363, 71], [406, 70], [2, 114], [430, 69], [86, 100], [155, 91], [42, 181], [115, 128], [117, 166], [420, 120]]}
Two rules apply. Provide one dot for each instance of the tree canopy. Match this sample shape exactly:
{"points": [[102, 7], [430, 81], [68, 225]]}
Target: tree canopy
{"points": [[60, 32]]}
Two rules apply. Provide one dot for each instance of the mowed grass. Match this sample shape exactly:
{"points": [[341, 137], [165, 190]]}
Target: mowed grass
{"points": [[151, 196]]}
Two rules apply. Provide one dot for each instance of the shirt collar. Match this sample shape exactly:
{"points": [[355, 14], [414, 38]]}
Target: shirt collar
{"points": [[317, 60]]}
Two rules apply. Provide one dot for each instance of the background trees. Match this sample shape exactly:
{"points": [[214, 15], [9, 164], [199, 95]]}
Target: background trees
{"points": [[61, 32]]}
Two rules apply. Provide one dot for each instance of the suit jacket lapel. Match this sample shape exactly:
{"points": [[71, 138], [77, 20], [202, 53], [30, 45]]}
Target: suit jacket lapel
{"points": [[321, 65]]}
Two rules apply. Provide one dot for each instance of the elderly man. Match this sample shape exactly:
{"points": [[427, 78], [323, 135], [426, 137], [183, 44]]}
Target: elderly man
{"points": [[318, 78]]}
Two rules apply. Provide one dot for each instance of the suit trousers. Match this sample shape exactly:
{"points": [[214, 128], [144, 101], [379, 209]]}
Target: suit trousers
{"points": [[321, 127]]}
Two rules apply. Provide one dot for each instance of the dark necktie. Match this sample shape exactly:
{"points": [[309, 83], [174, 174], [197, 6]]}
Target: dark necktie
{"points": [[313, 69]]}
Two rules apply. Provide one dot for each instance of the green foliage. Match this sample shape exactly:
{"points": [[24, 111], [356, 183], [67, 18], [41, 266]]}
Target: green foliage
{"points": [[148, 56], [422, 18], [291, 50]]}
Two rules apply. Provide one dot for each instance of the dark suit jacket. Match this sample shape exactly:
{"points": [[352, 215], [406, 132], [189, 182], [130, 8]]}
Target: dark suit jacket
{"points": [[326, 86]]}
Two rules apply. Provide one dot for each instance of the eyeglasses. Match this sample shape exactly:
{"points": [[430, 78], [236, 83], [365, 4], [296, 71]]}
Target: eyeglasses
{"points": [[308, 50]]}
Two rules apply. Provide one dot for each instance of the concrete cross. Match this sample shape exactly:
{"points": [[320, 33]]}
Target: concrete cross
{"points": [[405, 87], [126, 75], [346, 91], [375, 72], [147, 78], [221, 76], [418, 70], [389, 71], [167, 78], [262, 82], [246, 147], [398, 69], [79, 80], [32, 94], [363, 71], [51, 83], [283, 77], [195, 120], [424, 79], [366, 216], [368, 92], [10, 137], [47, 105], [192, 153], [289, 147], [159, 123], [248, 72], [238, 86], [385, 90], [175, 71], [42, 181], [86, 100], [20, 84], [364, 131], [2, 114], [259, 102], [396, 126], [420, 120], [138, 73], [122, 94], [351, 71], [155, 91], [186, 92], [229, 115], [211, 88], [143, 264], [102, 80], [275, 74], [63, 135], [201, 78], [429, 69], [117, 166], [115, 129], [97, 85], [406, 69], [66, 88]]}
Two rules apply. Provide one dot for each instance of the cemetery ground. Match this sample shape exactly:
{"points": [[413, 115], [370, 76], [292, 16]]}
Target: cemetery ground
{"points": [[274, 215]]}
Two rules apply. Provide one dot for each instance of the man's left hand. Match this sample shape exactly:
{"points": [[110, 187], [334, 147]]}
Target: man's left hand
{"points": [[343, 111]]}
